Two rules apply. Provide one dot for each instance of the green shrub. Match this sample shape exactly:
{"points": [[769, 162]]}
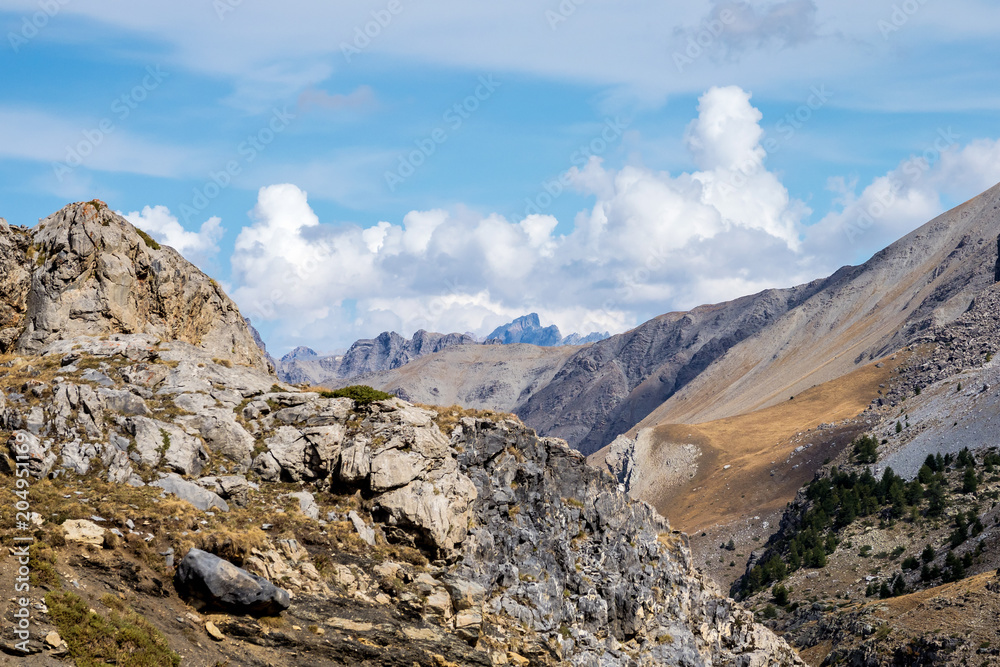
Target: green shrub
{"points": [[149, 240], [359, 393]]}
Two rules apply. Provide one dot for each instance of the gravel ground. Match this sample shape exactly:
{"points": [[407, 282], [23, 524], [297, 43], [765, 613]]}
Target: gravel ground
{"points": [[944, 419]]}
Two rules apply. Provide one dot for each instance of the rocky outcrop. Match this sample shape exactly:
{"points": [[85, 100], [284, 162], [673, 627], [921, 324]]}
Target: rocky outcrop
{"points": [[15, 281], [398, 457], [598, 578], [94, 274], [527, 329], [534, 556]]}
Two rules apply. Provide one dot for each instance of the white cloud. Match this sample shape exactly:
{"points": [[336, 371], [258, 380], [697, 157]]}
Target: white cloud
{"points": [[198, 247], [650, 240]]}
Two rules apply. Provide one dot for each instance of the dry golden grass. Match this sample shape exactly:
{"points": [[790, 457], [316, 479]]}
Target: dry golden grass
{"points": [[749, 443]]}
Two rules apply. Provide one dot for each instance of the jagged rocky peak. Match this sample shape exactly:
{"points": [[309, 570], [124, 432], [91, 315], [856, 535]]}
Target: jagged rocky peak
{"points": [[301, 352], [528, 329], [91, 273]]}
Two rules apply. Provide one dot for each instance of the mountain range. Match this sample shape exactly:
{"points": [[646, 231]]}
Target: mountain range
{"points": [[389, 351]]}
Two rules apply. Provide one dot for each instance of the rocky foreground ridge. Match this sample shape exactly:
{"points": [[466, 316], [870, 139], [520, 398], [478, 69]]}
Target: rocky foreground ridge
{"points": [[403, 535]]}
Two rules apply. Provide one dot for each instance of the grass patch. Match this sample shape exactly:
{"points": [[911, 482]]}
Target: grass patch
{"points": [[124, 638]]}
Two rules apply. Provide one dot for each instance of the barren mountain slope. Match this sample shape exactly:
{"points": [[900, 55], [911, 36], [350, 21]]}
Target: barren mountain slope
{"points": [[716, 473], [489, 377], [606, 388]]}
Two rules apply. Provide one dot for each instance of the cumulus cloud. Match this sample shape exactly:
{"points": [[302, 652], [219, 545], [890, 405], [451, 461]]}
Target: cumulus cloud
{"points": [[198, 247], [651, 242]]}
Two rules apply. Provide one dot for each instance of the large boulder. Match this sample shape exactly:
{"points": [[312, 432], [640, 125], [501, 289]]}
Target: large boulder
{"points": [[217, 583], [83, 531]]}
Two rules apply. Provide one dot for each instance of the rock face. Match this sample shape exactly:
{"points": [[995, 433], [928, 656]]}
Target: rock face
{"points": [[15, 282], [219, 583], [95, 275], [527, 329], [398, 457], [598, 578]]}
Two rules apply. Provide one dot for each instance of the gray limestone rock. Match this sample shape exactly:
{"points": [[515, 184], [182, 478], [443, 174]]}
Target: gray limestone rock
{"points": [[197, 495], [217, 583]]}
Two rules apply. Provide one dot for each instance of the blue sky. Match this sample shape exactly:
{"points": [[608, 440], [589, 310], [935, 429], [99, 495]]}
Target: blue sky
{"points": [[465, 163]]}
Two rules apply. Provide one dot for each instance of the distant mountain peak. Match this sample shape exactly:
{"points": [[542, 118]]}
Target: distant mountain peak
{"points": [[528, 329], [301, 352]]}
